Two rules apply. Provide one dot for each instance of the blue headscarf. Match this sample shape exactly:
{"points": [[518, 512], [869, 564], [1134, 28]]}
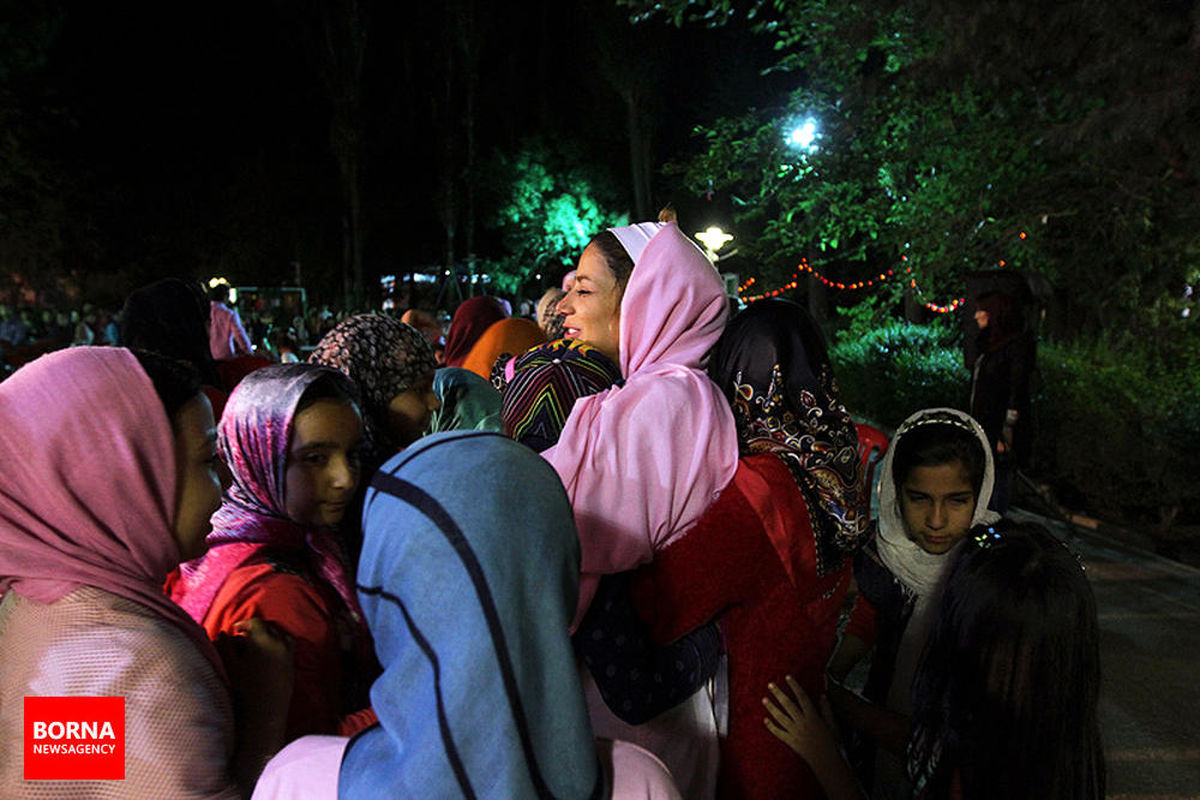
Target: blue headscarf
{"points": [[468, 580]]}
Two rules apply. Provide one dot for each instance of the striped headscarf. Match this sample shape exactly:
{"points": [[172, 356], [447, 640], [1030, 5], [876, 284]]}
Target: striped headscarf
{"points": [[546, 382], [480, 695]]}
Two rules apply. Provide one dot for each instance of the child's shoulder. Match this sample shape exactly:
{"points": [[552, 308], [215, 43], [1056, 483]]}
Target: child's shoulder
{"points": [[876, 581]]}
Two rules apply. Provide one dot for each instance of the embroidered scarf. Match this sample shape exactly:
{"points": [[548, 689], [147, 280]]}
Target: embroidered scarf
{"points": [[773, 366]]}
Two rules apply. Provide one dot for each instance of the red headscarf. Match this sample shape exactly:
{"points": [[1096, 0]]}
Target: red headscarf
{"points": [[471, 319]]}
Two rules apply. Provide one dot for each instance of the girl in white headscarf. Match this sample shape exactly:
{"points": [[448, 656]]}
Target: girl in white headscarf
{"points": [[936, 482]]}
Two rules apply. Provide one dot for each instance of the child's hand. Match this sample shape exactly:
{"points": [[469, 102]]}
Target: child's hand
{"points": [[258, 659], [811, 735], [797, 723]]}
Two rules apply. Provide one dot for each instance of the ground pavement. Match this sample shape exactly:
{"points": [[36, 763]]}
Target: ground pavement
{"points": [[1149, 610]]}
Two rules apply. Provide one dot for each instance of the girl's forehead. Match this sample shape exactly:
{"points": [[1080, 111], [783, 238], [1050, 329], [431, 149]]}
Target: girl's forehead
{"points": [[949, 477]]}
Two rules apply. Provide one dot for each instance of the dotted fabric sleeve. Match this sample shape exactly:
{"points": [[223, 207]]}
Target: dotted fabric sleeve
{"points": [[179, 733]]}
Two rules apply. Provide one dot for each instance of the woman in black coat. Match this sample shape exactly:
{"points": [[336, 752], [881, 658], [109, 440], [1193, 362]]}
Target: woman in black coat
{"points": [[1004, 358]]}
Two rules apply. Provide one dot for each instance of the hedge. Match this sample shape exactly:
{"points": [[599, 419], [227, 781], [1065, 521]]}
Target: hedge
{"points": [[1117, 428]]}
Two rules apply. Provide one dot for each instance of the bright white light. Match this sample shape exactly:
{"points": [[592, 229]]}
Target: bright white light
{"points": [[714, 238], [804, 135]]}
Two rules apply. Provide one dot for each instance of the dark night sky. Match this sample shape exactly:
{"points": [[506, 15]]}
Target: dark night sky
{"points": [[198, 135]]}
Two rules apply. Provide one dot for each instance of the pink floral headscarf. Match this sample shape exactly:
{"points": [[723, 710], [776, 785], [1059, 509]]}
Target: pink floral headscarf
{"points": [[642, 461]]}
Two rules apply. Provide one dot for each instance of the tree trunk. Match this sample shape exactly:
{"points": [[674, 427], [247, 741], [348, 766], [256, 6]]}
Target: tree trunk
{"points": [[638, 166]]}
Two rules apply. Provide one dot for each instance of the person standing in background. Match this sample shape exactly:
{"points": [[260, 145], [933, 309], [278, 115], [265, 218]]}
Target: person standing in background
{"points": [[226, 336], [1005, 354]]}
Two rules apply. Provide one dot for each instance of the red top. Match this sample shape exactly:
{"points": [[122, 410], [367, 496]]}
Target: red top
{"points": [[751, 559], [334, 663]]}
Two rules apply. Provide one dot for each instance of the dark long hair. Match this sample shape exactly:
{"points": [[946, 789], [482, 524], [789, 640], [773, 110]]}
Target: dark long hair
{"points": [[615, 256], [171, 317], [1006, 692]]}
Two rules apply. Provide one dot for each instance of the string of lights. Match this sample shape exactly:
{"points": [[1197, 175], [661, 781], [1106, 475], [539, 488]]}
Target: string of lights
{"points": [[804, 266]]}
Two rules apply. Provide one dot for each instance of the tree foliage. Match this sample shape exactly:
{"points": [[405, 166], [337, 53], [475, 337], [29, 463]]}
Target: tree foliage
{"points": [[549, 204], [957, 137]]}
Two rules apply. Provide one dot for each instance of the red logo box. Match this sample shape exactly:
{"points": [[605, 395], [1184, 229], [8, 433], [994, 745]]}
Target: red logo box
{"points": [[74, 738]]}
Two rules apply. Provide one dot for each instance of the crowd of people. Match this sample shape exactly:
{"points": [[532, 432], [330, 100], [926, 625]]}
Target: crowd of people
{"points": [[623, 550]]}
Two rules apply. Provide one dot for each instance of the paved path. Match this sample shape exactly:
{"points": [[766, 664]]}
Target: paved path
{"points": [[1149, 610]]}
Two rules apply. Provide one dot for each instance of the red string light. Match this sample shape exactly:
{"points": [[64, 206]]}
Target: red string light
{"points": [[804, 266]]}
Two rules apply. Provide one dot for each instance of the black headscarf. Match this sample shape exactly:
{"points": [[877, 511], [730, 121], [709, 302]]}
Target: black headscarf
{"points": [[772, 364]]}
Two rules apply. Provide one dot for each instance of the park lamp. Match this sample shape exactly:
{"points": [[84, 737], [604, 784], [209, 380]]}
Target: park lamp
{"points": [[713, 240]]}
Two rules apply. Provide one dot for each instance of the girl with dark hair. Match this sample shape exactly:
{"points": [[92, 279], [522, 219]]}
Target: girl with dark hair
{"points": [[105, 504], [1004, 360], [936, 481], [171, 317], [291, 434], [992, 716]]}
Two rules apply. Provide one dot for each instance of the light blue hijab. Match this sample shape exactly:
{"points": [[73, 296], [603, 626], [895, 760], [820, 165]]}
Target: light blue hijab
{"points": [[468, 580]]}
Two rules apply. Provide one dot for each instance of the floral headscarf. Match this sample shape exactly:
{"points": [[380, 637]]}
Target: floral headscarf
{"points": [[772, 364], [384, 358]]}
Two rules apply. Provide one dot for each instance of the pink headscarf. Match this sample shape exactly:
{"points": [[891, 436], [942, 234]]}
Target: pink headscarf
{"points": [[253, 438], [642, 461], [87, 496]]}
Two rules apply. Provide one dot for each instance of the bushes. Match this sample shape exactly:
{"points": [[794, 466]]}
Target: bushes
{"points": [[890, 371], [1119, 426]]}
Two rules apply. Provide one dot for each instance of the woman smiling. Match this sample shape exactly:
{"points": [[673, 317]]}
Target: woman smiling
{"points": [[643, 460]]}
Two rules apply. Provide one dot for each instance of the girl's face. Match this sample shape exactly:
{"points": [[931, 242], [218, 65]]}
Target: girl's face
{"points": [[592, 308], [201, 476], [937, 504], [981, 319], [322, 464], [411, 411]]}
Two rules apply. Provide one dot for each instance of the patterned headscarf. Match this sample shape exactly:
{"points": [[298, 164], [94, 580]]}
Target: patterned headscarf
{"points": [[253, 437], [384, 358], [545, 385], [772, 364]]}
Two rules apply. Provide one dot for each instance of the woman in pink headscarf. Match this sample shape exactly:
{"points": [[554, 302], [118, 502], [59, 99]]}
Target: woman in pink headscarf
{"points": [[644, 459], [101, 506]]}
